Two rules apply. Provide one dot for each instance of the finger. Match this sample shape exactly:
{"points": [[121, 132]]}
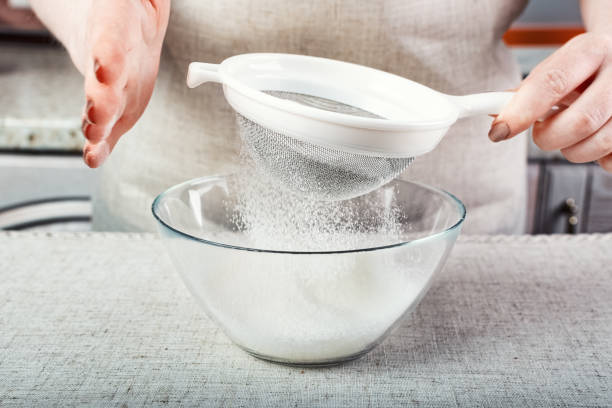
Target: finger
{"points": [[109, 60], [130, 115], [583, 118], [104, 106], [104, 82], [606, 163], [149, 20], [548, 83], [592, 148], [102, 139], [95, 154]]}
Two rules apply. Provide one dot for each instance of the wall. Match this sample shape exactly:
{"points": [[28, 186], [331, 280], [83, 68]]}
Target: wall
{"points": [[563, 12]]}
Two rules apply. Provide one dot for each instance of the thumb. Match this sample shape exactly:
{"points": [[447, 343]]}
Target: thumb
{"points": [[547, 85]]}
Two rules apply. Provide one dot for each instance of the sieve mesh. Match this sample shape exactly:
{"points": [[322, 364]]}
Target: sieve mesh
{"points": [[316, 171]]}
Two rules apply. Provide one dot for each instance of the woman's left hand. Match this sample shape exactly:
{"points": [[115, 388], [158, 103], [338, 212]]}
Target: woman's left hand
{"points": [[579, 76]]}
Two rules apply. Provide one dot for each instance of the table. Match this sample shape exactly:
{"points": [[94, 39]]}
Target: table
{"points": [[102, 319]]}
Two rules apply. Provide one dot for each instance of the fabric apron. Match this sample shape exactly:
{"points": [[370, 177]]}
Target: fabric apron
{"points": [[453, 46]]}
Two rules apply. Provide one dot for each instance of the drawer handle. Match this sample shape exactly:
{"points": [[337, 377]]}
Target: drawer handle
{"points": [[571, 208]]}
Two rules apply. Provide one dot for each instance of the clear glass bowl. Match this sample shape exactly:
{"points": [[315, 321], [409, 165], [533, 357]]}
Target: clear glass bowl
{"points": [[308, 307]]}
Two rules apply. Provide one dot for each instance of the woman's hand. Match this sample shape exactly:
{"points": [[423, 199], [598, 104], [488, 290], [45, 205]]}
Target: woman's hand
{"points": [[116, 45], [579, 76]]}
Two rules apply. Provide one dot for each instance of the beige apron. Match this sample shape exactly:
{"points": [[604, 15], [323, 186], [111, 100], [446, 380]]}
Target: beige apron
{"points": [[451, 45]]}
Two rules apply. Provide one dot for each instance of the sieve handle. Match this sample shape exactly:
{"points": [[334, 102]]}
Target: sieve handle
{"points": [[486, 103], [491, 103], [200, 72]]}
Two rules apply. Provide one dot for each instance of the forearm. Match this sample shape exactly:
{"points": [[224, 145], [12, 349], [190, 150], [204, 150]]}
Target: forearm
{"points": [[64, 18], [597, 15]]}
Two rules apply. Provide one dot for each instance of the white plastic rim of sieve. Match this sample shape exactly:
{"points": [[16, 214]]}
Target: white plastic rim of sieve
{"points": [[416, 117]]}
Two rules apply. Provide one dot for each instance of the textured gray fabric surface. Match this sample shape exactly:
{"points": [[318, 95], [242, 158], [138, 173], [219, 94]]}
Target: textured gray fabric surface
{"points": [[103, 320]]}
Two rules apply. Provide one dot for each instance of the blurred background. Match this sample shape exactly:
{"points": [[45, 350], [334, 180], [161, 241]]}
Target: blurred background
{"points": [[45, 186]]}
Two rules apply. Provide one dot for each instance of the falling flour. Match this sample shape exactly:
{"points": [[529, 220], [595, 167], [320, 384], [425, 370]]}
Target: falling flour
{"points": [[309, 308]]}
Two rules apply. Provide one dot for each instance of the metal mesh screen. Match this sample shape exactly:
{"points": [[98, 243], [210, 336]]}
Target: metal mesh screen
{"points": [[317, 171]]}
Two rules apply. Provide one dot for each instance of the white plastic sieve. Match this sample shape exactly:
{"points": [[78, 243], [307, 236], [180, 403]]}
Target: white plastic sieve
{"points": [[330, 129]]}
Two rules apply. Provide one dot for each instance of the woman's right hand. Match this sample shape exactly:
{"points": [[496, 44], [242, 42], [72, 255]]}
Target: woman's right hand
{"points": [[116, 45]]}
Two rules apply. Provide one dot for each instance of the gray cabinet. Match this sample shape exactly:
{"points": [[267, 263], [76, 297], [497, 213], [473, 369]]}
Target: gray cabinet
{"points": [[569, 198], [598, 210]]}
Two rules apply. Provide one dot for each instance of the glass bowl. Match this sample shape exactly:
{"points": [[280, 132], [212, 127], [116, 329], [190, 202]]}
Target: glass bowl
{"points": [[308, 306]]}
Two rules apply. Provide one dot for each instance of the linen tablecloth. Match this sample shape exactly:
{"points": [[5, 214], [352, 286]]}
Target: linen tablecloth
{"points": [[102, 319]]}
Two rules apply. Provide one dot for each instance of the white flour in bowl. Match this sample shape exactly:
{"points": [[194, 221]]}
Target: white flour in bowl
{"points": [[308, 307]]}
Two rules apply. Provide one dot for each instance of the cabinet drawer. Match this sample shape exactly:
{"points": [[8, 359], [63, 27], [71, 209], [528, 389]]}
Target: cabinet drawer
{"points": [[599, 209], [570, 198]]}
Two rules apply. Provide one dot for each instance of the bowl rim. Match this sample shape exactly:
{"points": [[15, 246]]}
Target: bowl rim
{"points": [[459, 204]]}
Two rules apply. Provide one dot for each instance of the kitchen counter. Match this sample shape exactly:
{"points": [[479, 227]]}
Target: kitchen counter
{"points": [[103, 319], [41, 99]]}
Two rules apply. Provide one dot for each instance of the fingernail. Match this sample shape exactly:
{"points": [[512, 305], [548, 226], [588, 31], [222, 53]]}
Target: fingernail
{"points": [[499, 131], [85, 125], [89, 111], [86, 151], [96, 69]]}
